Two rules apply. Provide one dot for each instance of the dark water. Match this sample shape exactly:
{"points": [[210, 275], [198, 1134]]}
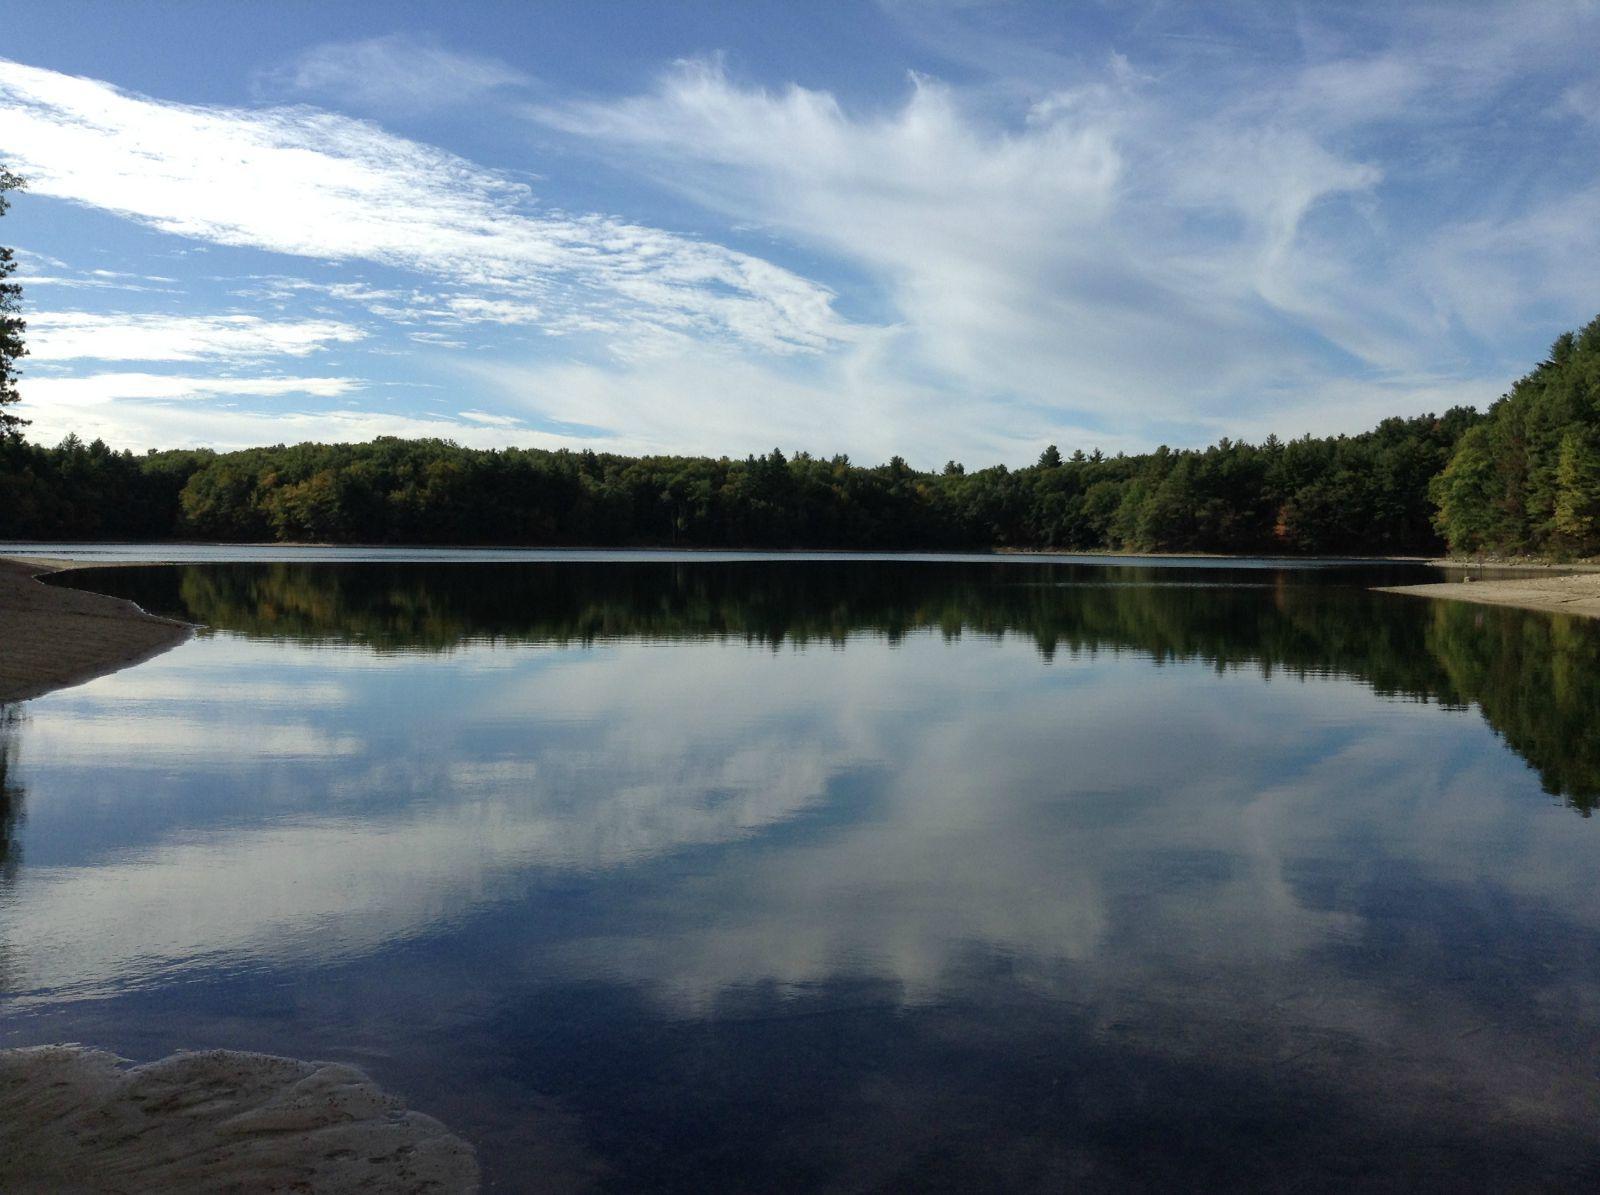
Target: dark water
{"points": [[845, 875]]}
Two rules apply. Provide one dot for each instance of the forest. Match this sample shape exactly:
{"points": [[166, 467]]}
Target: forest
{"points": [[1521, 478]]}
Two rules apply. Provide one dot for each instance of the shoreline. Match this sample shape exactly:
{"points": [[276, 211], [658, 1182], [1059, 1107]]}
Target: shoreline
{"points": [[62, 555], [1576, 593], [56, 637]]}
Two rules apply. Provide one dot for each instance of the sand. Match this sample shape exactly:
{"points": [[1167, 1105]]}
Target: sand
{"points": [[52, 637], [76, 1119], [1576, 594]]}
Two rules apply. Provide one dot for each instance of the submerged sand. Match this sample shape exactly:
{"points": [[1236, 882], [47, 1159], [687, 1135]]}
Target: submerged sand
{"points": [[1577, 594], [54, 637], [76, 1119]]}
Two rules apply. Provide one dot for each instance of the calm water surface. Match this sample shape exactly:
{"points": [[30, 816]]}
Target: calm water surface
{"points": [[714, 874]]}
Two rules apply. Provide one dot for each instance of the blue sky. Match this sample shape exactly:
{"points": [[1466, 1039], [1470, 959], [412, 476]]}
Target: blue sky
{"points": [[939, 229]]}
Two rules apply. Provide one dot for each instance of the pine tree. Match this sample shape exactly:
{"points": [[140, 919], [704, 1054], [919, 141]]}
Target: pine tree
{"points": [[11, 324]]}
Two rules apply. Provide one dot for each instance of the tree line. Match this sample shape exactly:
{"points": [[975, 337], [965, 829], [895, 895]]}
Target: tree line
{"points": [[1346, 494], [1527, 477]]}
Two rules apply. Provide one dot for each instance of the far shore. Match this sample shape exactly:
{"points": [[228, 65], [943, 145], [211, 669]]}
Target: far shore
{"points": [[19, 551]]}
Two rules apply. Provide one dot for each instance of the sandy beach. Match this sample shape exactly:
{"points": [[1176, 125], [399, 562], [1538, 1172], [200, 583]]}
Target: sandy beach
{"points": [[56, 637], [1575, 594]]}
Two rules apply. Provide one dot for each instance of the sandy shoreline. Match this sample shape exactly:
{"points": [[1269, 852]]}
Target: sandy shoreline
{"points": [[56, 637], [1575, 594]]}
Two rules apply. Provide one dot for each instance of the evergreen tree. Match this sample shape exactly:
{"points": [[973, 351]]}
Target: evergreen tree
{"points": [[11, 323], [1519, 482]]}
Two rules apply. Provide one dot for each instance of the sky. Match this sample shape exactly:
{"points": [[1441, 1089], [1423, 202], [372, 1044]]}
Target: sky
{"points": [[935, 229]]}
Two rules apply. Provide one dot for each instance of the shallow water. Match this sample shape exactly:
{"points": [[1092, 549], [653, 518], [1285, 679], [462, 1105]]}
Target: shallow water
{"points": [[698, 874]]}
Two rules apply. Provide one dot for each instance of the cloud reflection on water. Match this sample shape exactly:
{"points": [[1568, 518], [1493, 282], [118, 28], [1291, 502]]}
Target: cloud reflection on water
{"points": [[1292, 874]]}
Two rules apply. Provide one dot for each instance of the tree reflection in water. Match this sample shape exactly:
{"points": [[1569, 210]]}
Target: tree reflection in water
{"points": [[1530, 674], [10, 796]]}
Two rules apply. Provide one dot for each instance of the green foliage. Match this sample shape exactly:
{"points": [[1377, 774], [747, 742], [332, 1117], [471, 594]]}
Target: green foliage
{"points": [[88, 491], [1526, 479], [11, 323], [1577, 510], [1464, 494], [1359, 494]]}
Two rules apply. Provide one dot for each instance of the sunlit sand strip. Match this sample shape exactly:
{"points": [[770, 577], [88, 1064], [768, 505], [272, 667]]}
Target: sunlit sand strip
{"points": [[1579, 594], [57, 637], [75, 1119]]}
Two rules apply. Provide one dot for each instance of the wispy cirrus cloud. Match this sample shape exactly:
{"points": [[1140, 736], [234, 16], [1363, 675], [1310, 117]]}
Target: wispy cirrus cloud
{"points": [[183, 411], [395, 73], [1174, 240], [313, 184], [1030, 265], [43, 270], [81, 335], [96, 388]]}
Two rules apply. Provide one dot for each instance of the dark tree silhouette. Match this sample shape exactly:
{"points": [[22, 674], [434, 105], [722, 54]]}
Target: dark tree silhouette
{"points": [[11, 323]]}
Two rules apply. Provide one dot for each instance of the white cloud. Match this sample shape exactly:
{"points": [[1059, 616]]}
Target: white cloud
{"points": [[160, 421], [312, 184], [393, 73], [41, 269], [473, 309], [1143, 245], [77, 335], [42, 394], [1037, 264], [857, 400], [489, 420]]}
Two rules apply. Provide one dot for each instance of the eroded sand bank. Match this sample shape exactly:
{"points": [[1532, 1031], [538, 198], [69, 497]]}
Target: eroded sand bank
{"points": [[76, 1119], [54, 637], [1577, 594]]}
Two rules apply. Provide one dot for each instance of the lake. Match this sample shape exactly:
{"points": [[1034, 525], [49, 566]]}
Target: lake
{"points": [[699, 873]]}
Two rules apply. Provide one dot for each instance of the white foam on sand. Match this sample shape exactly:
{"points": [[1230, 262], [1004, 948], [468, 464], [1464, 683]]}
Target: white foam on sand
{"points": [[78, 1119]]}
